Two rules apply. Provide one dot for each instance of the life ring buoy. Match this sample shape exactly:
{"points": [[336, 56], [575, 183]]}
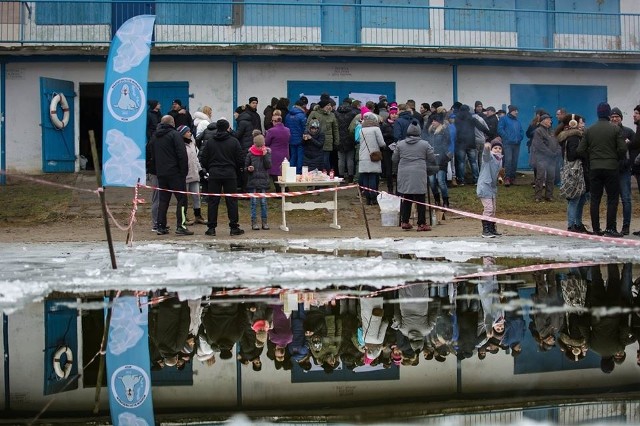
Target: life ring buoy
{"points": [[59, 98], [63, 369]]}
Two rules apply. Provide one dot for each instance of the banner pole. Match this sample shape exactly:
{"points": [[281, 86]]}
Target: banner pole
{"points": [[107, 228]]}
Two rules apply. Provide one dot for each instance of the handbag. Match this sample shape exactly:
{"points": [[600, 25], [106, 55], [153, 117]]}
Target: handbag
{"points": [[572, 183], [374, 156]]}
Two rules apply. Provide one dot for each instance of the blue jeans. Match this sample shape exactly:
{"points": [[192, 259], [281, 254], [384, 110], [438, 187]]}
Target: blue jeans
{"points": [[510, 159], [439, 180], [625, 197], [296, 157], [254, 204], [369, 180], [327, 160], [461, 157], [575, 207]]}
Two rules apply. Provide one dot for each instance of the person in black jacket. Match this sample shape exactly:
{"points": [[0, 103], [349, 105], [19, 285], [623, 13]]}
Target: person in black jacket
{"points": [[222, 157], [465, 144], [171, 165], [347, 148], [153, 119]]}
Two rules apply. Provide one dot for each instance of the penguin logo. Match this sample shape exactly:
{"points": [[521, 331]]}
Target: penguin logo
{"points": [[126, 100]]}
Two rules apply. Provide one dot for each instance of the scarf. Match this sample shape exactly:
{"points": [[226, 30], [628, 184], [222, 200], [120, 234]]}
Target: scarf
{"points": [[256, 151]]}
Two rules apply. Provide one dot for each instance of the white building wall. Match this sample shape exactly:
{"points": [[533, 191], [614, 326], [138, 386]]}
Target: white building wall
{"points": [[211, 83]]}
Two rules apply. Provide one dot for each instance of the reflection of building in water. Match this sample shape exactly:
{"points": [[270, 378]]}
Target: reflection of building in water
{"points": [[501, 381]]}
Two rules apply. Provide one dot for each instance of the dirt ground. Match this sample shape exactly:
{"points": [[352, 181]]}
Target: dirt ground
{"points": [[82, 221]]}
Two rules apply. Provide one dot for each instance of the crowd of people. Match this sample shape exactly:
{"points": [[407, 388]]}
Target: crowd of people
{"points": [[414, 151], [576, 310]]}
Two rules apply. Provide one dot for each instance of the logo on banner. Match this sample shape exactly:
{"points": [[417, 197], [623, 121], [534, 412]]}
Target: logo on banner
{"points": [[126, 100], [130, 386]]}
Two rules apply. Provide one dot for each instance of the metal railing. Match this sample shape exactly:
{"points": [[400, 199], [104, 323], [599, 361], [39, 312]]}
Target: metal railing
{"points": [[320, 23]]}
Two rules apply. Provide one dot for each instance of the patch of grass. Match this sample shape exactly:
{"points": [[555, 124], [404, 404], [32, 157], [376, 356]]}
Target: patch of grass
{"points": [[25, 202]]}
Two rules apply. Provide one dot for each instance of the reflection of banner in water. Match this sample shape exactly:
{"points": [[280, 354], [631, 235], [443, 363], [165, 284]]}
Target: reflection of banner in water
{"points": [[128, 363], [125, 103]]}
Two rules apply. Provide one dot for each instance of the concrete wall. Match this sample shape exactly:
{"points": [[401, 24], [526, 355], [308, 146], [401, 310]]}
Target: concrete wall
{"points": [[211, 84]]}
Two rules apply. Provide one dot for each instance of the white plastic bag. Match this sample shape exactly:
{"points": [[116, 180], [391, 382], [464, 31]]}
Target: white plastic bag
{"points": [[388, 202]]}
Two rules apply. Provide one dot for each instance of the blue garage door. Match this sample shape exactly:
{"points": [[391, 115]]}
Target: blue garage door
{"points": [[581, 100], [340, 88]]}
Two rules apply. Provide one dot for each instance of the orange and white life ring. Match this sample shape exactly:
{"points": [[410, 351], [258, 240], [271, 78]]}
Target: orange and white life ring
{"points": [[59, 98], [63, 369]]}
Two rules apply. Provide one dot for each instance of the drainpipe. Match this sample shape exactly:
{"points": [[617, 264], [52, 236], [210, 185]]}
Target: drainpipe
{"points": [[3, 143], [454, 81], [234, 85], [5, 344]]}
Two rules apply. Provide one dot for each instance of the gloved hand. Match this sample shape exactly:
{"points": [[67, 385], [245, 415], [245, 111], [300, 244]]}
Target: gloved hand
{"points": [[392, 146], [637, 160]]}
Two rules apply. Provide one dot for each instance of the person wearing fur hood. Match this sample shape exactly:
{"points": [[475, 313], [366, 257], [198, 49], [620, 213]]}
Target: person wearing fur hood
{"points": [[569, 134], [201, 119]]}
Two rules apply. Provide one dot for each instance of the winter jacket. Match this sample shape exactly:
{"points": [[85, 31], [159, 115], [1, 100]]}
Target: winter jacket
{"points": [[258, 179], [510, 130], [200, 123], [244, 130], [413, 315], [194, 163], [345, 114], [169, 152], [401, 125], [544, 147], [281, 333], [278, 140], [256, 122], [627, 162], [313, 154], [604, 145], [224, 325], [488, 177], [179, 119], [411, 158], [569, 140], [492, 124], [329, 125], [466, 127], [153, 119], [221, 155], [374, 326], [438, 137], [169, 326], [296, 121], [370, 140]]}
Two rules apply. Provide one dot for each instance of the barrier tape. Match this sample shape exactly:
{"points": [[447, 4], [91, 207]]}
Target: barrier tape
{"points": [[258, 194], [527, 226], [512, 223]]}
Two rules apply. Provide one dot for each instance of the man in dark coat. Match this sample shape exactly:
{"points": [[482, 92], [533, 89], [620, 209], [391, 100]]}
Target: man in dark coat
{"points": [[252, 109], [171, 164], [221, 156], [169, 328], [224, 326], [180, 115], [604, 145], [625, 168], [346, 150], [153, 117]]}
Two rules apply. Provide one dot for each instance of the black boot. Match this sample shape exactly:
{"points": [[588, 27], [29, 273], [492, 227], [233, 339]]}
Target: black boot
{"points": [[486, 230], [494, 231], [446, 202], [436, 198]]}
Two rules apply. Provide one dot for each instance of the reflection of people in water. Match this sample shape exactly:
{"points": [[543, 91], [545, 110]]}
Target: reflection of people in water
{"points": [[547, 319], [414, 317], [168, 332], [610, 332], [574, 334]]}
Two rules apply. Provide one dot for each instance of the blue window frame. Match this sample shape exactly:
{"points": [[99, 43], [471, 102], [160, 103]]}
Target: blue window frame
{"points": [[209, 13], [73, 12], [577, 20], [375, 16], [480, 20], [282, 15]]}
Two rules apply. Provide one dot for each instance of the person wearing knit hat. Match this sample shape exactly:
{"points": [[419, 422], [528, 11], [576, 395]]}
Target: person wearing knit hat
{"points": [[411, 158], [330, 129], [511, 133], [487, 188], [604, 146], [625, 169], [257, 164], [478, 107], [221, 157]]}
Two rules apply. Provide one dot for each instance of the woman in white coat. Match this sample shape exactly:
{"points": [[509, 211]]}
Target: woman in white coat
{"points": [[371, 140], [374, 326]]}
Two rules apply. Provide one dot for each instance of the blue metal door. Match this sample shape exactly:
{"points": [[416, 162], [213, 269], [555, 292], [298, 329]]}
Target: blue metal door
{"points": [[532, 23], [166, 91], [121, 12], [340, 22], [60, 329], [581, 100], [58, 145]]}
